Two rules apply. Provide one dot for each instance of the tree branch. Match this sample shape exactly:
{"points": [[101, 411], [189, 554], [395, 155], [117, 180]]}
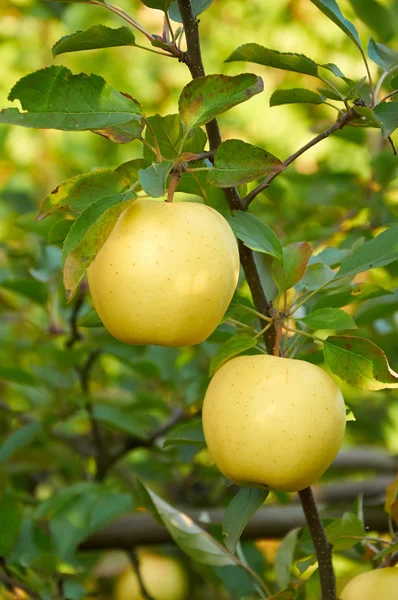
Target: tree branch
{"points": [[136, 566], [193, 59], [323, 549], [12, 583], [339, 124]]}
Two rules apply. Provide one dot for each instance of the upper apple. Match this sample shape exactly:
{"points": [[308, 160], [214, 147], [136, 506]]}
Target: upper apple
{"points": [[166, 274], [273, 421]]}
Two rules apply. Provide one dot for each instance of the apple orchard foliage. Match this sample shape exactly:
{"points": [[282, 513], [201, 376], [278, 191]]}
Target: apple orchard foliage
{"points": [[94, 429]]}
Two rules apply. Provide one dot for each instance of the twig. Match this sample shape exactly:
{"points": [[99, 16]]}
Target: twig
{"points": [[136, 566], [193, 59], [12, 583], [323, 549], [75, 335], [392, 145], [101, 452], [339, 124]]}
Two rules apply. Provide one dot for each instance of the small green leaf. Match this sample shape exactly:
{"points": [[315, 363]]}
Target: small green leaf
{"points": [[291, 269], [88, 217], [387, 114], [359, 362], [198, 6], [85, 252], [287, 61], [379, 252], [10, 523], [54, 98], [237, 162], [354, 91], [126, 418], [341, 531], [192, 539], [255, 234], [329, 318], [331, 9], [92, 320], [153, 179], [382, 55], [295, 96], [206, 97], [284, 558], [239, 512], [19, 439], [96, 37], [232, 347], [186, 434], [15, 375], [29, 288]]}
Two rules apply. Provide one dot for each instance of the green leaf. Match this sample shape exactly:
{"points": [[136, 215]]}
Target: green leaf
{"points": [[76, 194], [19, 439], [88, 217], [73, 590], [284, 558], [358, 292], [239, 512], [354, 91], [387, 114], [129, 170], [382, 55], [206, 97], [15, 375], [329, 318], [126, 418], [316, 276], [232, 347], [198, 6], [340, 531], [153, 179], [157, 4], [332, 95], [54, 98], [186, 434], [333, 69], [237, 162], [255, 234], [30, 288], [359, 362], [287, 61], [295, 96], [331, 9], [169, 132], [291, 269], [10, 523], [59, 231], [379, 252], [93, 38], [91, 320], [192, 539], [85, 252], [376, 16]]}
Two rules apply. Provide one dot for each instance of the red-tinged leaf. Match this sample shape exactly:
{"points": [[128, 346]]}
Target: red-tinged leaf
{"points": [[237, 162], [123, 134], [85, 252], [206, 97], [359, 362], [295, 260]]}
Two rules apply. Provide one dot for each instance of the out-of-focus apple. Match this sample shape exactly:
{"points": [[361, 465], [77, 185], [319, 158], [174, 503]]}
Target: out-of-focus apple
{"points": [[379, 584]]}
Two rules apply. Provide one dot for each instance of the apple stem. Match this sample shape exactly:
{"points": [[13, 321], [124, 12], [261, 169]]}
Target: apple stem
{"points": [[323, 548], [135, 563]]}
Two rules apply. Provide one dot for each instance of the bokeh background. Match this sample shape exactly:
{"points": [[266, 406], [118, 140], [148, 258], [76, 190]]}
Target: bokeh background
{"points": [[342, 190]]}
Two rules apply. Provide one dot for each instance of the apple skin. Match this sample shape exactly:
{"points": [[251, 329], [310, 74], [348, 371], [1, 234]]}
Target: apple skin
{"points": [[164, 579], [274, 422], [380, 584], [166, 274]]}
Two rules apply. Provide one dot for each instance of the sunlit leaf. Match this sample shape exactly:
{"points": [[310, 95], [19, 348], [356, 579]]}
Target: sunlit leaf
{"points": [[288, 272], [255, 234], [359, 362], [272, 58], [96, 37], [206, 97], [340, 533], [329, 318], [380, 251]]}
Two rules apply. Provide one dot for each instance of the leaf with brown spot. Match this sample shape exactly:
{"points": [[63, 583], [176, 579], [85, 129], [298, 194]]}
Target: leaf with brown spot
{"points": [[206, 97], [359, 362]]}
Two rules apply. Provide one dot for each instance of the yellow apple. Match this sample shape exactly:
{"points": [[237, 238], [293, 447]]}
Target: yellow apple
{"points": [[164, 579], [274, 422], [166, 274], [380, 584]]}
